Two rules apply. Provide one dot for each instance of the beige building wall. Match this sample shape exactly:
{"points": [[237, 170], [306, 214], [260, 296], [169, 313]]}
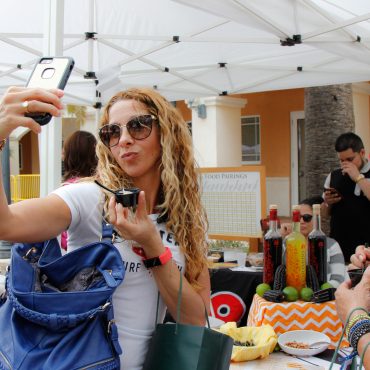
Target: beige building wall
{"points": [[361, 102], [217, 134]]}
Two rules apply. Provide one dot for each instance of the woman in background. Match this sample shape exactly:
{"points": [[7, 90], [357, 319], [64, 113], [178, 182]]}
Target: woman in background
{"points": [[337, 271], [78, 155], [79, 160]]}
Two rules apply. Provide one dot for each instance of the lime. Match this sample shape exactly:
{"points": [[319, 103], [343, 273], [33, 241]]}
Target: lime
{"points": [[291, 293], [326, 286], [262, 288], [306, 294]]}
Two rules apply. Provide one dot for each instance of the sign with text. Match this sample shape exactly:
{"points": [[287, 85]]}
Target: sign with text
{"points": [[235, 199]]}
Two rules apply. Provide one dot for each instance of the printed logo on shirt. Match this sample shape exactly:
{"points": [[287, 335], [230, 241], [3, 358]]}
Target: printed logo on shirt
{"points": [[131, 251], [168, 237]]}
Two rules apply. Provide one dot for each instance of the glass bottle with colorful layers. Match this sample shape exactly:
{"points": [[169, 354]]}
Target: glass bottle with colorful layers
{"points": [[272, 248], [296, 253], [317, 249]]}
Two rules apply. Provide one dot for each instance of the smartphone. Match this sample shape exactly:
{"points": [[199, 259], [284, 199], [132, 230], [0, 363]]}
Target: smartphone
{"points": [[49, 73]]}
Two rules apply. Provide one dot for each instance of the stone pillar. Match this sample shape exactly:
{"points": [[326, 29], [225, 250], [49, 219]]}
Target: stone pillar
{"points": [[216, 130]]}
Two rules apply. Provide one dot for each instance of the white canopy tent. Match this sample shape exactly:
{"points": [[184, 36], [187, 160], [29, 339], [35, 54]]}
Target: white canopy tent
{"points": [[231, 46]]}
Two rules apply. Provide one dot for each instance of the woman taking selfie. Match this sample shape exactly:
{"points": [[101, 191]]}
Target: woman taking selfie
{"points": [[143, 143]]}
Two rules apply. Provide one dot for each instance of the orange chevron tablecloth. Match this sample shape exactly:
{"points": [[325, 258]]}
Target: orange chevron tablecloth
{"points": [[297, 315]]}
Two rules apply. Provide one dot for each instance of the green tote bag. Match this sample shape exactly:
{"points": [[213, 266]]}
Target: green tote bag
{"points": [[188, 347]]}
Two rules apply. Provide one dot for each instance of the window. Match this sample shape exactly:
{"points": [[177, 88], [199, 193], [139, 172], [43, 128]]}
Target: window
{"points": [[251, 149]]}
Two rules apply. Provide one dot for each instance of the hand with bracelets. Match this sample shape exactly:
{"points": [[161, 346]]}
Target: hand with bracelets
{"points": [[353, 306]]}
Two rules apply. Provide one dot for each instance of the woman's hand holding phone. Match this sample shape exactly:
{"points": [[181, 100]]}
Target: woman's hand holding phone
{"points": [[49, 73], [13, 108]]}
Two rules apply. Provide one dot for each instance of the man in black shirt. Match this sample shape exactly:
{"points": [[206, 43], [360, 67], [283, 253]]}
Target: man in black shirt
{"points": [[347, 198]]}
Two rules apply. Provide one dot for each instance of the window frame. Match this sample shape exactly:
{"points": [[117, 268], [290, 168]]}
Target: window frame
{"points": [[257, 118]]}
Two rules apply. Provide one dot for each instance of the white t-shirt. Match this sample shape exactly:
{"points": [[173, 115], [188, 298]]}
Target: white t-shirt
{"points": [[135, 300]]}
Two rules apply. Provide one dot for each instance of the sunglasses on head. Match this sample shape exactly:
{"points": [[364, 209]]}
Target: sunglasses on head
{"points": [[138, 127], [306, 217]]}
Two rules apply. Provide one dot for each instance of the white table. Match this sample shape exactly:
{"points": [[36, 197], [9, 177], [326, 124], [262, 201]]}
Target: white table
{"points": [[279, 361]]}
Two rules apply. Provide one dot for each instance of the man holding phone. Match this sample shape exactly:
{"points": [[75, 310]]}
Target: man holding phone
{"points": [[347, 195]]}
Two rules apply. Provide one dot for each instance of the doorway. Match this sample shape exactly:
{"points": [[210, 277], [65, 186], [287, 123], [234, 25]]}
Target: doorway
{"points": [[297, 153]]}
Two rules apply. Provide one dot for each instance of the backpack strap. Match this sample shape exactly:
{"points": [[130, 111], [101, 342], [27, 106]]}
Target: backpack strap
{"points": [[107, 232]]}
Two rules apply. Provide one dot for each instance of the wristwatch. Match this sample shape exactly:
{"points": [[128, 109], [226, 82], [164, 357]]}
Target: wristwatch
{"points": [[359, 178], [158, 261]]}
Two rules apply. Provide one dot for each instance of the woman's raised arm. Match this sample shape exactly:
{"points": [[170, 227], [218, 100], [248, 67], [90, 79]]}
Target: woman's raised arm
{"points": [[36, 219]]}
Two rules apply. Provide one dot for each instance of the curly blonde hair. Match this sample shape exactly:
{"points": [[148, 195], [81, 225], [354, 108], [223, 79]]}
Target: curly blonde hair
{"points": [[179, 198]]}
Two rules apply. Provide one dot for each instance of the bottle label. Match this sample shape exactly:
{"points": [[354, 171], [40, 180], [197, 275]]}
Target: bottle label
{"points": [[296, 265]]}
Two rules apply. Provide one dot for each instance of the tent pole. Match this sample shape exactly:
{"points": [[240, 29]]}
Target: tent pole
{"points": [[5, 154], [90, 41], [50, 139]]}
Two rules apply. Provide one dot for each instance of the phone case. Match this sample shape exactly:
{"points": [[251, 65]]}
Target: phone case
{"points": [[49, 73]]}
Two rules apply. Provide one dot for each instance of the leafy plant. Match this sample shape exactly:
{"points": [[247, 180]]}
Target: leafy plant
{"points": [[216, 244], [78, 112]]}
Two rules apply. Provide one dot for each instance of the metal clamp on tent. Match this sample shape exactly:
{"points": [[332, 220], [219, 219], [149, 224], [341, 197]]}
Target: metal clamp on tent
{"points": [[97, 104], [90, 35], [90, 75], [297, 39]]}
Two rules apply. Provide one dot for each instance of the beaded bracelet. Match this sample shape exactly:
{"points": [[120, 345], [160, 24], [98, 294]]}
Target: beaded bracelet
{"points": [[358, 332], [353, 329], [354, 319]]}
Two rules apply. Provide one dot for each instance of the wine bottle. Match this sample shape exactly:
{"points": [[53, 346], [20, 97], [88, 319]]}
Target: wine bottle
{"points": [[317, 249], [272, 248], [296, 252]]}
